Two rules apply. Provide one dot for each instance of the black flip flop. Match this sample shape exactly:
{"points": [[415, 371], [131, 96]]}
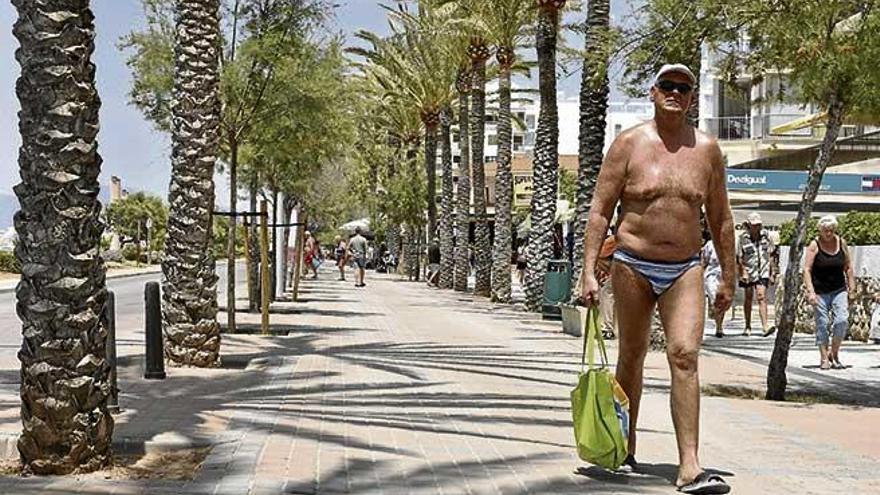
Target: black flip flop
{"points": [[706, 484]]}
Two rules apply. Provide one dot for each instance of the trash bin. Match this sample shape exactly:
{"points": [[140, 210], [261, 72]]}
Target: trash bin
{"points": [[557, 288]]}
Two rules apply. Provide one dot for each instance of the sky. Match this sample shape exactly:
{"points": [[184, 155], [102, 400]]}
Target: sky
{"points": [[129, 146]]}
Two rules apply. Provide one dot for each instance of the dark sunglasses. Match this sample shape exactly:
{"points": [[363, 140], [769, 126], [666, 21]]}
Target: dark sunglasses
{"points": [[669, 86]]}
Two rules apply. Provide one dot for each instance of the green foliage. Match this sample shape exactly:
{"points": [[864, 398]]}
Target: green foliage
{"points": [[221, 238], [124, 215], [9, 263], [857, 228], [567, 185]]}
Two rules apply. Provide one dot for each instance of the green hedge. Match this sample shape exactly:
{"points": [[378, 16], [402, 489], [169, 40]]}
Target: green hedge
{"points": [[856, 228], [8, 262]]}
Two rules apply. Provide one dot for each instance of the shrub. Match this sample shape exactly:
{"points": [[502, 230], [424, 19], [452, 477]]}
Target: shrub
{"points": [[9, 263], [856, 228]]}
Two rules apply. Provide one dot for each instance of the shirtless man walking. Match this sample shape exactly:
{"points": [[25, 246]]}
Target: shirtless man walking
{"points": [[663, 172]]}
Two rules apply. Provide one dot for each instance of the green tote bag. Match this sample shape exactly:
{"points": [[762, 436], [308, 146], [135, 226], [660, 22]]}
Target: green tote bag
{"points": [[599, 407]]}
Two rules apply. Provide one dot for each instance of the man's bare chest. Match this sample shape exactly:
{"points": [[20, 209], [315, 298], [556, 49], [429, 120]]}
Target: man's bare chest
{"points": [[651, 178]]}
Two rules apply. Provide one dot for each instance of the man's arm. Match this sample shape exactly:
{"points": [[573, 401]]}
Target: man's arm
{"points": [[609, 185], [720, 219]]}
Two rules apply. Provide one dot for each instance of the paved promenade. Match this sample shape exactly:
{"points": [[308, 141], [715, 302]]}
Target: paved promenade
{"points": [[397, 388]]}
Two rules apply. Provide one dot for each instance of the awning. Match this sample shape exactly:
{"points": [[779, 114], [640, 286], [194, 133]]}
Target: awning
{"points": [[817, 119]]}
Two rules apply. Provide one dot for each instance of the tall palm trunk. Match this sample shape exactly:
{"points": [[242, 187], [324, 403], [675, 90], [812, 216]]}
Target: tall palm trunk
{"points": [[776, 379], [503, 182], [430, 123], [447, 213], [463, 198], [479, 53], [62, 293], [593, 106], [546, 162], [189, 296]]}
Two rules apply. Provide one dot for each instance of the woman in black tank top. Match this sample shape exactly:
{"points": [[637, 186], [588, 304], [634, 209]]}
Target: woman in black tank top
{"points": [[828, 274]]}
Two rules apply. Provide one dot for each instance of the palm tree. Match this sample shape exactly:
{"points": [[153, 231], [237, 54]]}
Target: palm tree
{"points": [[463, 198], [546, 164], [62, 293], [479, 53], [506, 22], [189, 284], [447, 213], [593, 106]]}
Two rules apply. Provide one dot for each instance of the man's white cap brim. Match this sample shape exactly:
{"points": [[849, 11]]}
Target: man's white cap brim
{"points": [[680, 68]]}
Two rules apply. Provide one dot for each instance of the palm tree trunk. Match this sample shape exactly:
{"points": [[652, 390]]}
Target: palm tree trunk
{"points": [[546, 173], [447, 213], [431, 172], [463, 198], [503, 184], [594, 105], [482, 245], [776, 378], [189, 295], [62, 292]]}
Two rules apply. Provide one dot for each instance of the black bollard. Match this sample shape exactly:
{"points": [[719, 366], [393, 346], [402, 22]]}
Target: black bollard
{"points": [[110, 309], [153, 317]]}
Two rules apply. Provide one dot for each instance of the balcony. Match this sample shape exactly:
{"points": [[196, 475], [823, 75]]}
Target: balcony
{"points": [[729, 128]]}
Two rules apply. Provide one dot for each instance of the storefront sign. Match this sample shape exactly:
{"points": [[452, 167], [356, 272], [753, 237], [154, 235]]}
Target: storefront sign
{"points": [[522, 189], [788, 181]]}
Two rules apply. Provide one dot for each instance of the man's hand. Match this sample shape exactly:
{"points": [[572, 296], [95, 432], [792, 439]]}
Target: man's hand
{"points": [[723, 299], [589, 290], [811, 298]]}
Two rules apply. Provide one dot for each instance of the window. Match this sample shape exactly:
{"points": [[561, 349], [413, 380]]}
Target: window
{"points": [[456, 159], [530, 121]]}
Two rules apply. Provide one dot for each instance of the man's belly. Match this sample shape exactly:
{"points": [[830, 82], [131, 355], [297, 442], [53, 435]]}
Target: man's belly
{"points": [[661, 234]]}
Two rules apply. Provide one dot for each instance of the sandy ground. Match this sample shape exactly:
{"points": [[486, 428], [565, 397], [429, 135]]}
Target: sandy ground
{"points": [[179, 466]]}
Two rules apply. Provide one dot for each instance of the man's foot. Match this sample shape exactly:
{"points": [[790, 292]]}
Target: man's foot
{"points": [[836, 364], [629, 465], [705, 484], [824, 365], [769, 331], [719, 334], [747, 332]]}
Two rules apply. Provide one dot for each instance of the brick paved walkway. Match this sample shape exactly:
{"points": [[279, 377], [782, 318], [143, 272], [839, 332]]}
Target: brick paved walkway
{"points": [[397, 388]]}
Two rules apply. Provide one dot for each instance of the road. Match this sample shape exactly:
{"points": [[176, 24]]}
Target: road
{"points": [[129, 314]]}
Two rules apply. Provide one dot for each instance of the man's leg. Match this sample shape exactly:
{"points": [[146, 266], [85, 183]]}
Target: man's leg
{"points": [[361, 275], [761, 296], [747, 309], [634, 302], [682, 315]]}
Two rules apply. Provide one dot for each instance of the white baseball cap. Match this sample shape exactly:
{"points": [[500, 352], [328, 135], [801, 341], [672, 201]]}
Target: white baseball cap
{"points": [[754, 219], [680, 68]]}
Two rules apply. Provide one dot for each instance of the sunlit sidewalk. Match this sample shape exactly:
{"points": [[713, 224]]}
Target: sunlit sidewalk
{"points": [[399, 388]]}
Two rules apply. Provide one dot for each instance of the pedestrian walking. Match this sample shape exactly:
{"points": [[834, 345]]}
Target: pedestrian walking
{"points": [[311, 256], [606, 286], [341, 255], [521, 260], [432, 271], [829, 280], [357, 248], [663, 172], [711, 282], [754, 260]]}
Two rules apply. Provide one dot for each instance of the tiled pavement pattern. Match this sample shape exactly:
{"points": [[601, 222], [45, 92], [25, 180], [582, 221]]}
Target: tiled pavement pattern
{"points": [[397, 388]]}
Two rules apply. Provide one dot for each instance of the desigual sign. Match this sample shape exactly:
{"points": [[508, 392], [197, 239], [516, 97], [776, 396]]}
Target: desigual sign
{"points": [[775, 180]]}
